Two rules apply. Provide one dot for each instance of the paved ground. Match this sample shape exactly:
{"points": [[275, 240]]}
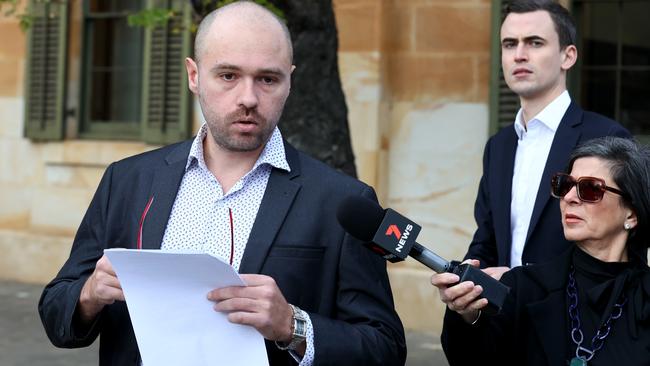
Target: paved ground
{"points": [[23, 341]]}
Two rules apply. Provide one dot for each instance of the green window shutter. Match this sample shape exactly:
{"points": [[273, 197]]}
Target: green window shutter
{"points": [[504, 103], [46, 70], [166, 98]]}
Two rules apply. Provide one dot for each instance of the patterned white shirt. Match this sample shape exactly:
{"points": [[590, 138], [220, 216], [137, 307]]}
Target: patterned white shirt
{"points": [[533, 146], [206, 219]]}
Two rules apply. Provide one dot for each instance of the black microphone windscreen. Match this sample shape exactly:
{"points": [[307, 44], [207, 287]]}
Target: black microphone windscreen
{"points": [[360, 217]]}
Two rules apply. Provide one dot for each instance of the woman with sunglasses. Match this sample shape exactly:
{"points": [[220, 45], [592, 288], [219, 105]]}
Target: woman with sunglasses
{"points": [[589, 306]]}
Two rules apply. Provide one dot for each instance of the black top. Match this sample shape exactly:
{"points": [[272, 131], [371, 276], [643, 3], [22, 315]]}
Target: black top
{"points": [[600, 286]]}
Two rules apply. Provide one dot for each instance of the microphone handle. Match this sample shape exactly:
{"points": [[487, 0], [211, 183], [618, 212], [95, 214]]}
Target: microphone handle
{"points": [[494, 291], [429, 258]]}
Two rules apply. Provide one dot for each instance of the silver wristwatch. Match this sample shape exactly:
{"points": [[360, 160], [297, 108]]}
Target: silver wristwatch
{"points": [[298, 330]]}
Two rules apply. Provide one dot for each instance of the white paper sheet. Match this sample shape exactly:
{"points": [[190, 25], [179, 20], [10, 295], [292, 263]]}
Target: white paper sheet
{"points": [[174, 322]]}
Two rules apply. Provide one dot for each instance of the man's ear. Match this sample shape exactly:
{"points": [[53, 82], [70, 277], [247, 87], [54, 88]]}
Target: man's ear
{"points": [[569, 57], [192, 75]]}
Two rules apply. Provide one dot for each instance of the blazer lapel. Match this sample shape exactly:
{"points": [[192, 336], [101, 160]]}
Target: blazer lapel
{"points": [[166, 181], [278, 198], [504, 161], [566, 138]]}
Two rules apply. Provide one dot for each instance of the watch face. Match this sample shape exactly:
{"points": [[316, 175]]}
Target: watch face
{"points": [[300, 328]]}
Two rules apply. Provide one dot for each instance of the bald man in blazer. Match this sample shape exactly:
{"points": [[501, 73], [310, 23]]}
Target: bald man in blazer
{"points": [[242, 193]]}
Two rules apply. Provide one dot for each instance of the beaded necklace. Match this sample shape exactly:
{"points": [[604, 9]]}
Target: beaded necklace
{"points": [[583, 354]]}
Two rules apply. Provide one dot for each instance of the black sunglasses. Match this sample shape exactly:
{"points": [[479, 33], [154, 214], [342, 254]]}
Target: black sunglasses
{"points": [[589, 189]]}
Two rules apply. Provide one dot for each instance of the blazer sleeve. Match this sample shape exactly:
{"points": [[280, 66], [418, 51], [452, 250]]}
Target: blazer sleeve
{"points": [[488, 342], [59, 299], [366, 330], [483, 246]]}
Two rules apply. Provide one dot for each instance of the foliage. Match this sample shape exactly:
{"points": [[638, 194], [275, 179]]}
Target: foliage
{"points": [[154, 17], [265, 3], [9, 8], [25, 21]]}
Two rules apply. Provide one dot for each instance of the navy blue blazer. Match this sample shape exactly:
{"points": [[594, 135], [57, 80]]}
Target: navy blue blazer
{"points": [[295, 239], [493, 237]]}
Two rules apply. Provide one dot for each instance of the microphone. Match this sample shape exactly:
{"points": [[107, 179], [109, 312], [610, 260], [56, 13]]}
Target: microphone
{"points": [[391, 235]]}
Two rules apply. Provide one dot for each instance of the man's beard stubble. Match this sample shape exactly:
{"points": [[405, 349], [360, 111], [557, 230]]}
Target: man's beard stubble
{"points": [[238, 142]]}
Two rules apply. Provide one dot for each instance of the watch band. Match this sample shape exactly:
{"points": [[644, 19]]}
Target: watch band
{"points": [[298, 330]]}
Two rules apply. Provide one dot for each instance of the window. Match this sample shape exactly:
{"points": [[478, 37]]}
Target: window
{"points": [[504, 103], [133, 80], [112, 76], [46, 73], [613, 73]]}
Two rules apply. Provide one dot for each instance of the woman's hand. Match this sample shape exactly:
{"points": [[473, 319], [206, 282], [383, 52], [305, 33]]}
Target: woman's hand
{"points": [[463, 297]]}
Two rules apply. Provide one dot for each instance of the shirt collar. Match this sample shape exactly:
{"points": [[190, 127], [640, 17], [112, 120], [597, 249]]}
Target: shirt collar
{"points": [[550, 116], [273, 153]]}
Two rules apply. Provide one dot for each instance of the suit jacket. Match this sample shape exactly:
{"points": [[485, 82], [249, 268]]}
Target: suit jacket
{"points": [[545, 239], [295, 239], [533, 327]]}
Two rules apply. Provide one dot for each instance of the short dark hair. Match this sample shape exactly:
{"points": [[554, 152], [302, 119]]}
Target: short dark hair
{"points": [[565, 25], [629, 166]]}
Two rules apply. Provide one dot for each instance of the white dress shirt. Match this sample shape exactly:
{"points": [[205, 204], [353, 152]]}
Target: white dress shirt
{"points": [[206, 219], [533, 146]]}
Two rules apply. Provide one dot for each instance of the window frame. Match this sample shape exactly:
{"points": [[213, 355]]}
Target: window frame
{"points": [[161, 123], [503, 102], [46, 122], [575, 75], [166, 113], [87, 128]]}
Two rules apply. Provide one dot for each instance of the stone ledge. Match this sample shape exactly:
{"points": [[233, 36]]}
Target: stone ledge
{"points": [[90, 153], [32, 257]]}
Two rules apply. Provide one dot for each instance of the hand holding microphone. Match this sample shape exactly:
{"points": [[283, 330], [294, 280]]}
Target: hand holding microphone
{"points": [[462, 297], [393, 236]]}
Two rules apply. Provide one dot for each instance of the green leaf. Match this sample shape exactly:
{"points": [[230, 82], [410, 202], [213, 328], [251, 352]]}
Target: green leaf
{"points": [[25, 21], [265, 3], [154, 17]]}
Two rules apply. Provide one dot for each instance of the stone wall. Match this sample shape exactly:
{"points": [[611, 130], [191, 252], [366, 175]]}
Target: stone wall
{"points": [[45, 187], [415, 73]]}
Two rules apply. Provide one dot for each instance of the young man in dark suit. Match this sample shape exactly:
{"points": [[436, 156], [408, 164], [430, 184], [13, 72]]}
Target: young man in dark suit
{"points": [[240, 192], [518, 221]]}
